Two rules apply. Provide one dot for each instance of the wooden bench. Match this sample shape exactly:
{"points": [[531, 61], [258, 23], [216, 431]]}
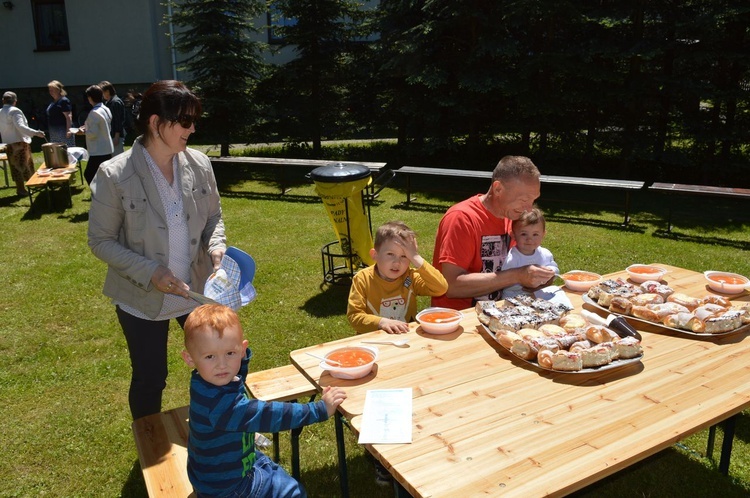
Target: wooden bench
{"points": [[284, 163], [281, 384], [701, 190], [624, 185], [161, 440]]}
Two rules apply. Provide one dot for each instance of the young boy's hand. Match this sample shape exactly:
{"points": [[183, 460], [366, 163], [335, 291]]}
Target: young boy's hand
{"points": [[333, 397], [393, 326], [412, 251]]}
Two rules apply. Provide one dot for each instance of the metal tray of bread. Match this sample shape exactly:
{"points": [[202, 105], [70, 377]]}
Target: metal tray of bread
{"points": [[657, 325], [615, 365]]}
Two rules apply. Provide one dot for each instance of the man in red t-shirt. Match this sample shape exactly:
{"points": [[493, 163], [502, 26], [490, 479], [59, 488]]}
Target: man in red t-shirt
{"points": [[474, 238]]}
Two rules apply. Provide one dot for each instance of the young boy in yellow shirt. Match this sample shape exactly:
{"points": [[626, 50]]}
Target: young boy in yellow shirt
{"points": [[384, 295]]}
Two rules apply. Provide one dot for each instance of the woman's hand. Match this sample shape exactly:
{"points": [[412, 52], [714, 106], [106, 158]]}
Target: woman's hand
{"points": [[165, 281], [216, 257]]}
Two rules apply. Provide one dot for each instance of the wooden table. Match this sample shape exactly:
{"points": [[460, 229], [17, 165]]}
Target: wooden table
{"points": [[485, 423], [59, 180]]}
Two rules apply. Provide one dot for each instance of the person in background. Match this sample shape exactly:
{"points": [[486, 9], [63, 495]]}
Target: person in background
{"points": [[528, 233], [222, 457], [117, 108], [15, 132], [384, 295], [156, 221], [96, 128], [473, 238], [59, 115], [132, 107]]}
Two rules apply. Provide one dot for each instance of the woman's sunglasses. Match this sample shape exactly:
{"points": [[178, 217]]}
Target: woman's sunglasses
{"points": [[184, 120]]}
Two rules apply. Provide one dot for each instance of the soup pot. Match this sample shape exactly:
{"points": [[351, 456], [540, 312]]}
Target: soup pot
{"points": [[55, 155]]}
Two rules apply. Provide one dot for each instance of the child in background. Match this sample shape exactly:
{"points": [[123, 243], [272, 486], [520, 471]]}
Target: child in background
{"points": [[384, 295], [528, 232], [222, 458]]}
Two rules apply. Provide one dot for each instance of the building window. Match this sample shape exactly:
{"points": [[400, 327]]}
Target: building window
{"points": [[275, 20], [50, 25]]}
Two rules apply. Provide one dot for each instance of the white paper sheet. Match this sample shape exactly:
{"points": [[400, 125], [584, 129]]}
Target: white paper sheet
{"points": [[555, 294], [387, 417]]}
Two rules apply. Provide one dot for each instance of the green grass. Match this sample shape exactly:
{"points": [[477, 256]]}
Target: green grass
{"points": [[64, 421]]}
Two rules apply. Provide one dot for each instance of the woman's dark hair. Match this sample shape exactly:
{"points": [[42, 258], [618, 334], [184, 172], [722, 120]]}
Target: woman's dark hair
{"points": [[171, 101], [95, 92]]}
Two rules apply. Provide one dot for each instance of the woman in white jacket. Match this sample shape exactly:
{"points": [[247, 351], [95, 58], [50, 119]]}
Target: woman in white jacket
{"points": [[155, 219], [15, 132], [97, 126]]}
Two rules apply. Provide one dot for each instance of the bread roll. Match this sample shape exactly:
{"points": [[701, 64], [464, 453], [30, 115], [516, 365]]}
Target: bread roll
{"points": [[572, 321], [597, 334], [646, 298], [620, 305], [544, 358], [552, 330], [506, 338], [682, 320], [524, 349], [645, 313], [714, 299], [580, 345], [687, 301]]}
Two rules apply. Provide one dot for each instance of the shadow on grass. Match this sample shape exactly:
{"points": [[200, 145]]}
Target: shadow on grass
{"points": [[134, 486], [669, 473], [330, 301]]}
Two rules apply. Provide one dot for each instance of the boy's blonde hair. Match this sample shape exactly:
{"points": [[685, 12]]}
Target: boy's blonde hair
{"points": [[390, 231], [531, 217], [209, 317]]}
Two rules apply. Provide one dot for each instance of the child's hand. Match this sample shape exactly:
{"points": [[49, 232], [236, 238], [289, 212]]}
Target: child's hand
{"points": [[409, 245], [393, 326], [333, 397]]}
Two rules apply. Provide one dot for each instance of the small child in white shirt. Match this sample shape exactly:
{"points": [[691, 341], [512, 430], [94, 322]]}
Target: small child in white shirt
{"points": [[528, 232]]}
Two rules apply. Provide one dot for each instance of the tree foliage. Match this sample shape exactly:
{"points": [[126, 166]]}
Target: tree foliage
{"points": [[224, 63]]}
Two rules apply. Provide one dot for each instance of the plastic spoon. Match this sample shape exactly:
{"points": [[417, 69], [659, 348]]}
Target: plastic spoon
{"points": [[398, 344], [332, 362]]}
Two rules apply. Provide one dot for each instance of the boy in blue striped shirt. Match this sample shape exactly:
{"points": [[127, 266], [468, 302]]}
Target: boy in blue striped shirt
{"points": [[222, 458]]}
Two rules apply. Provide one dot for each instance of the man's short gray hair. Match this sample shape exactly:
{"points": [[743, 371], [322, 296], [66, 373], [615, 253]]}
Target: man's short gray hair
{"points": [[515, 167]]}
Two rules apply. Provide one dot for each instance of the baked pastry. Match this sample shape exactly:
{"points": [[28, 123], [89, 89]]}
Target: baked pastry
{"points": [[565, 361], [544, 358], [654, 287], [567, 340], [646, 298], [729, 320], [527, 333], [598, 334], [620, 305], [657, 312], [682, 320], [628, 347], [572, 321], [714, 299], [687, 301], [542, 343], [580, 345], [524, 349], [595, 357], [552, 330], [506, 338]]}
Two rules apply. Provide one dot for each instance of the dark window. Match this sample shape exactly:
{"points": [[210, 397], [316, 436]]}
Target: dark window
{"points": [[275, 20], [50, 25]]}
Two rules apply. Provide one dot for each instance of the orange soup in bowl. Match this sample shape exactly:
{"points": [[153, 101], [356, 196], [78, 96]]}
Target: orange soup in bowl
{"points": [[351, 357], [439, 316]]}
